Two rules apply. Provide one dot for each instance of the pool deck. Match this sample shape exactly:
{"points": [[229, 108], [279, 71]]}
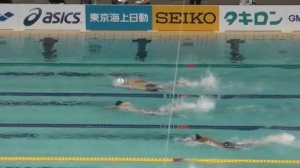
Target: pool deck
{"points": [[155, 35]]}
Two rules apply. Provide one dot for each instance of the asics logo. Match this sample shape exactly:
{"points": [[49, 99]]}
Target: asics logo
{"points": [[5, 16], [33, 17], [52, 17]]}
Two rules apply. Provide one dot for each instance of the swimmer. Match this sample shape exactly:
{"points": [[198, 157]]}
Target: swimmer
{"points": [[124, 105], [203, 105], [145, 85], [130, 107], [136, 84], [227, 144]]}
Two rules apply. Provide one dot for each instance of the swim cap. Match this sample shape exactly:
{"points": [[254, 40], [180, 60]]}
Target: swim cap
{"points": [[119, 81], [197, 136], [118, 102]]}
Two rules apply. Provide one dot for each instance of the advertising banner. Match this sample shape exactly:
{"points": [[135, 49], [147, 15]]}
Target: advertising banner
{"points": [[194, 18], [252, 18], [292, 18], [118, 17], [8, 16], [138, 17], [62, 17]]}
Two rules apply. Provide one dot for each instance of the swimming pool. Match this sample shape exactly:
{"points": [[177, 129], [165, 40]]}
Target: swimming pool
{"points": [[47, 81]]}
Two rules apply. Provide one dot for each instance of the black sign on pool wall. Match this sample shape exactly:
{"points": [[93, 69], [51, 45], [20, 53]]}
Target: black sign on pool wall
{"points": [[49, 52], [141, 54], [235, 50]]}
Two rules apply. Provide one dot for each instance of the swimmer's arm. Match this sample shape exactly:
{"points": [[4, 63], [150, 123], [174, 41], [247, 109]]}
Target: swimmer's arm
{"points": [[115, 107], [171, 85], [150, 112], [110, 107], [250, 144], [215, 142]]}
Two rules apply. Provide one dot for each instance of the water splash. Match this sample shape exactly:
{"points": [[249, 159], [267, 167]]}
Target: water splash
{"points": [[203, 104], [284, 139], [208, 82]]}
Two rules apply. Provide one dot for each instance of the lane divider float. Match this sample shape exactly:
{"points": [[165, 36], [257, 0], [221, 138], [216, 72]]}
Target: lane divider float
{"points": [[149, 160]]}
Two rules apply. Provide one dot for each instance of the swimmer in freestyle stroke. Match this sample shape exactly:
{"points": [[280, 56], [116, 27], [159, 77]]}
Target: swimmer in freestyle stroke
{"points": [[124, 105], [130, 107], [127, 106], [145, 85], [202, 105], [227, 144]]}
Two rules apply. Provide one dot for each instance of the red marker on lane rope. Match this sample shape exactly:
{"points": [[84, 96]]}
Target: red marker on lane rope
{"points": [[190, 65]]}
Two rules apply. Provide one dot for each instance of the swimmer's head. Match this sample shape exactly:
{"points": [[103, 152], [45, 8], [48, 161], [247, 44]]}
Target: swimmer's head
{"points": [[118, 82], [197, 136], [229, 145], [119, 102], [151, 87]]}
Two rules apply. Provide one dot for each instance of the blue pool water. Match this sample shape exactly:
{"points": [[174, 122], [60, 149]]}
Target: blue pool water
{"points": [[108, 60]]}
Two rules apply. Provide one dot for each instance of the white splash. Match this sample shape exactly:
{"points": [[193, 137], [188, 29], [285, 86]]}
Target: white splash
{"points": [[209, 82], [203, 104], [189, 141], [284, 138]]}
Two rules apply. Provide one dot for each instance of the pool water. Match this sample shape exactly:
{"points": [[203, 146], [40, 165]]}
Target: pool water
{"points": [[96, 63]]}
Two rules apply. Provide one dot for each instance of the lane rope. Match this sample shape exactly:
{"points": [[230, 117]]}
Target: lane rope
{"points": [[47, 74], [282, 66], [149, 160], [152, 95], [141, 126]]}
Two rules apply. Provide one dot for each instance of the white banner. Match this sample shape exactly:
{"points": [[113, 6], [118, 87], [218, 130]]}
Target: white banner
{"points": [[292, 18], [260, 18], [8, 16], [62, 17], [253, 18]]}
